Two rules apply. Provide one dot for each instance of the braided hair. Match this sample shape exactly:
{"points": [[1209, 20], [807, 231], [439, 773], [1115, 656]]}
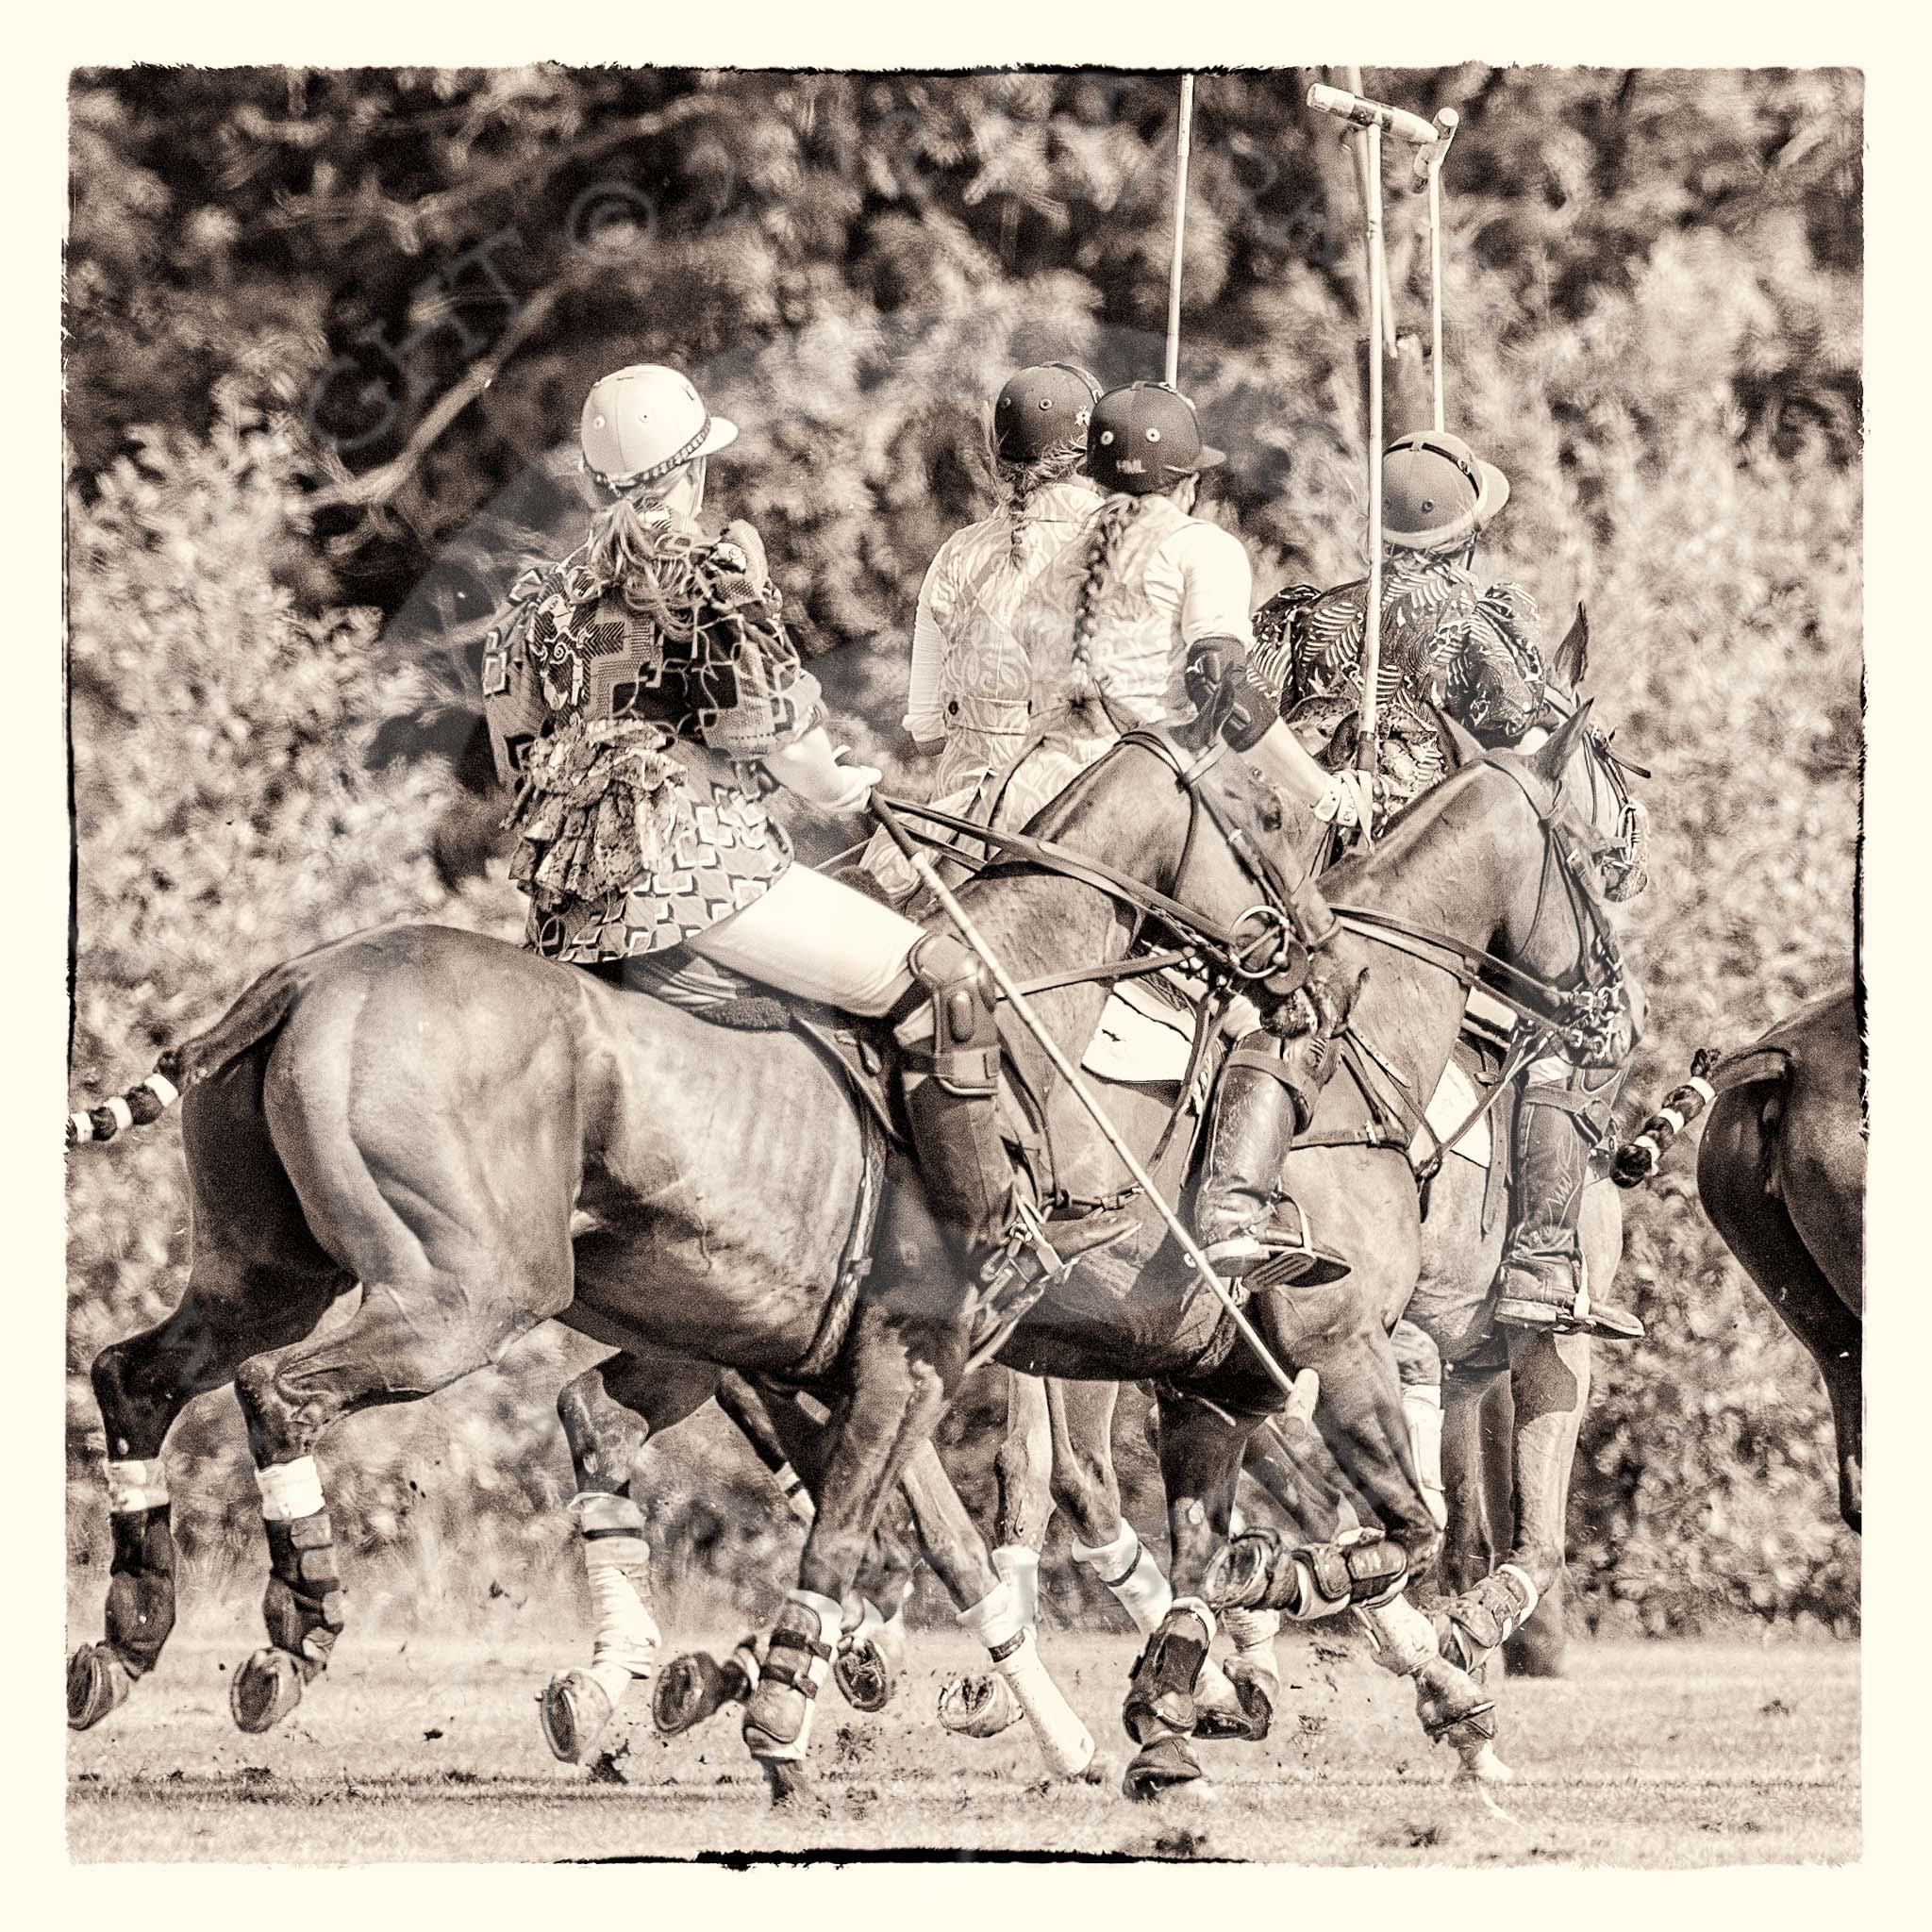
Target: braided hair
{"points": [[1018, 481], [1109, 528]]}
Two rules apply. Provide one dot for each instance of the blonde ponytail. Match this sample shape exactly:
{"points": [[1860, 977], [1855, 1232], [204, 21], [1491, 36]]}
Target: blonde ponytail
{"points": [[638, 548]]}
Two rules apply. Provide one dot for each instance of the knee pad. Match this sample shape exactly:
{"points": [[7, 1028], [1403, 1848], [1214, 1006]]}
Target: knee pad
{"points": [[946, 1023]]}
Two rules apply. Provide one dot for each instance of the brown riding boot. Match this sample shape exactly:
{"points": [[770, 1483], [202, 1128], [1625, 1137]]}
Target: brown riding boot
{"points": [[1249, 1229], [1540, 1283]]}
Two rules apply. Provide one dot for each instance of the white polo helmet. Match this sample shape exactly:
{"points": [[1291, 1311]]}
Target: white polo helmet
{"points": [[641, 422]]}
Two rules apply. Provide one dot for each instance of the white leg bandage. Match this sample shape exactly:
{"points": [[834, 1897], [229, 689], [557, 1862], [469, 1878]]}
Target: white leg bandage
{"points": [[1128, 1569], [290, 1491], [1422, 1408], [1064, 1740], [617, 1564], [1254, 1633], [1018, 1567], [133, 1487]]}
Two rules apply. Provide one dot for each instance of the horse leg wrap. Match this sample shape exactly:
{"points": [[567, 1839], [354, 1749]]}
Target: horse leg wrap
{"points": [[797, 1497], [1484, 1618], [798, 1659], [1064, 1740], [303, 1604], [1127, 1568], [1254, 1673], [617, 1563], [1422, 1408], [1160, 1699], [951, 1043], [1259, 1571], [1447, 1699], [1019, 1568], [141, 1577]]}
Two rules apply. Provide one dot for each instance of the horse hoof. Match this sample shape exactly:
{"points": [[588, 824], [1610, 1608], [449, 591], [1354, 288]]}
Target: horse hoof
{"points": [[574, 1712], [688, 1689], [1240, 1573], [1446, 1699], [264, 1691], [862, 1674], [979, 1706], [1161, 1767], [97, 1682], [1254, 1692], [789, 1782], [1481, 1766]]}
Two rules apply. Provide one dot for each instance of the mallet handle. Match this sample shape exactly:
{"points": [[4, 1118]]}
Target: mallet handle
{"points": [[1367, 113]]}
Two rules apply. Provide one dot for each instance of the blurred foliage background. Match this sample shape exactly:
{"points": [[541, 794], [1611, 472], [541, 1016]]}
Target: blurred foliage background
{"points": [[328, 336]]}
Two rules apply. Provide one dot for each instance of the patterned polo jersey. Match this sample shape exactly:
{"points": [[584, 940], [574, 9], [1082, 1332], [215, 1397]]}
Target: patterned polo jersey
{"points": [[1445, 641], [631, 726]]}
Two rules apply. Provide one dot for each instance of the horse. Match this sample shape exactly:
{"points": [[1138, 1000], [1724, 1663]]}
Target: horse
{"points": [[1512, 1402], [482, 1139], [1781, 1176], [1082, 1448]]}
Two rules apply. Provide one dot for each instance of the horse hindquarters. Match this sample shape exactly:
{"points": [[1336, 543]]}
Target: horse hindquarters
{"points": [[256, 1280], [1737, 1182], [445, 1194]]}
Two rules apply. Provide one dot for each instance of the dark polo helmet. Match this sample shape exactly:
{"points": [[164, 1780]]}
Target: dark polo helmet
{"points": [[1041, 408], [1436, 489], [1146, 437]]}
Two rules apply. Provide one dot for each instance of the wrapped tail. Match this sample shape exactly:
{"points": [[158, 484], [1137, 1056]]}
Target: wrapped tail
{"points": [[253, 1017], [1638, 1159]]}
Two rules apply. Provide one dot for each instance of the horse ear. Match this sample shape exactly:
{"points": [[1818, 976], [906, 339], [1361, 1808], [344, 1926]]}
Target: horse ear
{"points": [[1550, 758], [1572, 654], [1468, 748]]}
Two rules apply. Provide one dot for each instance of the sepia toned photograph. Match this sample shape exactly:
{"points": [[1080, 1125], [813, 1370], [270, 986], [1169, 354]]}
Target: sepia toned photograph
{"points": [[965, 964]]}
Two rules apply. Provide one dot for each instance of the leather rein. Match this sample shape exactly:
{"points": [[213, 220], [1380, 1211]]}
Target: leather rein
{"points": [[1581, 1011]]}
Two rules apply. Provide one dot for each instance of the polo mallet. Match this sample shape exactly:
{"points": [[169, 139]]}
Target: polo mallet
{"points": [[1378, 249], [1429, 172], [1180, 220], [930, 877], [1374, 118]]}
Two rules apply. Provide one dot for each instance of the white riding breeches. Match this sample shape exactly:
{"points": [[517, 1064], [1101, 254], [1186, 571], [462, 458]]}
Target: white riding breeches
{"points": [[819, 939]]}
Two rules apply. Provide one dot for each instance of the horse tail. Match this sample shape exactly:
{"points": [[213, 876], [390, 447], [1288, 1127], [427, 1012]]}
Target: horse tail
{"points": [[1638, 1160], [257, 1014]]}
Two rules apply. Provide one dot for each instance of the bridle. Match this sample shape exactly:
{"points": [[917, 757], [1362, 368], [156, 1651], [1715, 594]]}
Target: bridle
{"points": [[1580, 1008], [1583, 1012]]}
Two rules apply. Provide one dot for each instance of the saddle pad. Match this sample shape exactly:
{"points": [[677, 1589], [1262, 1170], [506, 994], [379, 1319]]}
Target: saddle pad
{"points": [[1141, 1039], [1455, 1100]]}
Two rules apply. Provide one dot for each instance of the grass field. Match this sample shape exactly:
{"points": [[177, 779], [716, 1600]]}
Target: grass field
{"points": [[426, 1747]]}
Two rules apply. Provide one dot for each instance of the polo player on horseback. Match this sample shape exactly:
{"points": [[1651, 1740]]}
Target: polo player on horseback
{"points": [[970, 697], [668, 701], [1146, 619], [1449, 645]]}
